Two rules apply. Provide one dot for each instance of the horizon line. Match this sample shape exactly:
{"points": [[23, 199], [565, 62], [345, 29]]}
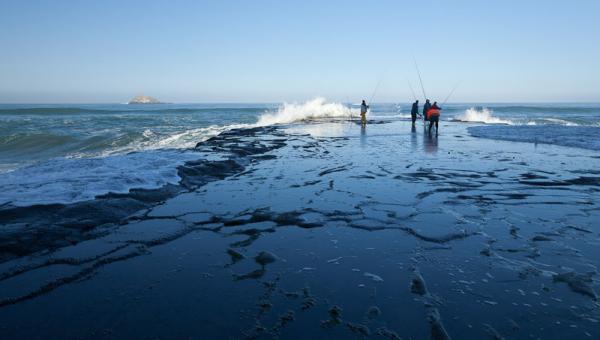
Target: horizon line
{"points": [[293, 101]]}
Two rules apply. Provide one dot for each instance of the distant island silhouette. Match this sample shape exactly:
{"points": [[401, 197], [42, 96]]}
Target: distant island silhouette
{"points": [[144, 100]]}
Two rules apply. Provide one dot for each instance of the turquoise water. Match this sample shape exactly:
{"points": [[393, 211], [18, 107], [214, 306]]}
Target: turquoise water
{"points": [[31, 133], [65, 153]]}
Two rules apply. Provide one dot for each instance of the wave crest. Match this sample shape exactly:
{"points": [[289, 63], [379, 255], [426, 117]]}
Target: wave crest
{"points": [[481, 116], [294, 112]]}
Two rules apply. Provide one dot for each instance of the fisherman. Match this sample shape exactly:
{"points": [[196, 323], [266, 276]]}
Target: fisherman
{"points": [[363, 112], [414, 111], [426, 107], [433, 115]]}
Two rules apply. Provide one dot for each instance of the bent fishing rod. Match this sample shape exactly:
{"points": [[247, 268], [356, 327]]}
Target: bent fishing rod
{"points": [[451, 92], [376, 88]]}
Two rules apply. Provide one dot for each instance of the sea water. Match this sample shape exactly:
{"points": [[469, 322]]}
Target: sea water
{"points": [[68, 153]]}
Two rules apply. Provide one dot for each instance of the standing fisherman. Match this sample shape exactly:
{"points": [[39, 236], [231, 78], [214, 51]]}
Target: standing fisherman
{"points": [[434, 117], [425, 108], [414, 111], [363, 112]]}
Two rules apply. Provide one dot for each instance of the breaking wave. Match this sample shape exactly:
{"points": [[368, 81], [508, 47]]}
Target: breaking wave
{"points": [[550, 116], [481, 116], [312, 109]]}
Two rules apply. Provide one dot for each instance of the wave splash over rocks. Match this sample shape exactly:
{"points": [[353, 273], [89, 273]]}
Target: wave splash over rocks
{"points": [[129, 155], [481, 116], [312, 109]]}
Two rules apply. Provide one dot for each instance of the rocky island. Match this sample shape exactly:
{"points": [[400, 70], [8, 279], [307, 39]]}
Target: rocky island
{"points": [[144, 100]]}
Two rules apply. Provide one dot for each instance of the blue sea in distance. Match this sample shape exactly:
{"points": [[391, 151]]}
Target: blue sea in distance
{"points": [[66, 153]]}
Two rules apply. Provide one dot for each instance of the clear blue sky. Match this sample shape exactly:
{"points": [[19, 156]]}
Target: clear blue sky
{"points": [[271, 51]]}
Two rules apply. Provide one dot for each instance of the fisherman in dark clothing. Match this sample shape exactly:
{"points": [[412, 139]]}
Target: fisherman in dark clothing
{"points": [[434, 116], [414, 111], [425, 108]]}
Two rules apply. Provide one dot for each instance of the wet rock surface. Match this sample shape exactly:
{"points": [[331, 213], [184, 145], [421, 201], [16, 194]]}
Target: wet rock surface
{"points": [[336, 232], [36, 228]]}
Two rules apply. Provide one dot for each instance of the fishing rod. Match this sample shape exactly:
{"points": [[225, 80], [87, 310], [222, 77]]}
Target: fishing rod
{"points": [[421, 80], [451, 92], [349, 106], [415, 96], [411, 90], [376, 88]]}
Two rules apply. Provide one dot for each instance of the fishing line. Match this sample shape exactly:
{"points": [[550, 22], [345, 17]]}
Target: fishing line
{"points": [[349, 106], [376, 88], [451, 92], [421, 80], [411, 90]]}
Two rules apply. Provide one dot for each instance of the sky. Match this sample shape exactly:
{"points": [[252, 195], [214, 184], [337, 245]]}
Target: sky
{"points": [[275, 51]]}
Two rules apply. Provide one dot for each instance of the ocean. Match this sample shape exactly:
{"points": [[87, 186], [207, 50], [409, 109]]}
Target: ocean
{"points": [[69, 153]]}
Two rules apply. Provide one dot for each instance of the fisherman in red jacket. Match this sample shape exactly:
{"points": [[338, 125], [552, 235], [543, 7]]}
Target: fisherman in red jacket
{"points": [[433, 115]]}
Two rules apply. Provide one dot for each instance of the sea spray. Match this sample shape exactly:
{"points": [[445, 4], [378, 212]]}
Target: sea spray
{"points": [[315, 108], [481, 116]]}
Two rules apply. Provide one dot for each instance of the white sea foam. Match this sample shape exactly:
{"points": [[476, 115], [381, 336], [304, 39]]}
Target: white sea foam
{"points": [[189, 138], [157, 141], [148, 164], [561, 122], [64, 180], [312, 109], [481, 116]]}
